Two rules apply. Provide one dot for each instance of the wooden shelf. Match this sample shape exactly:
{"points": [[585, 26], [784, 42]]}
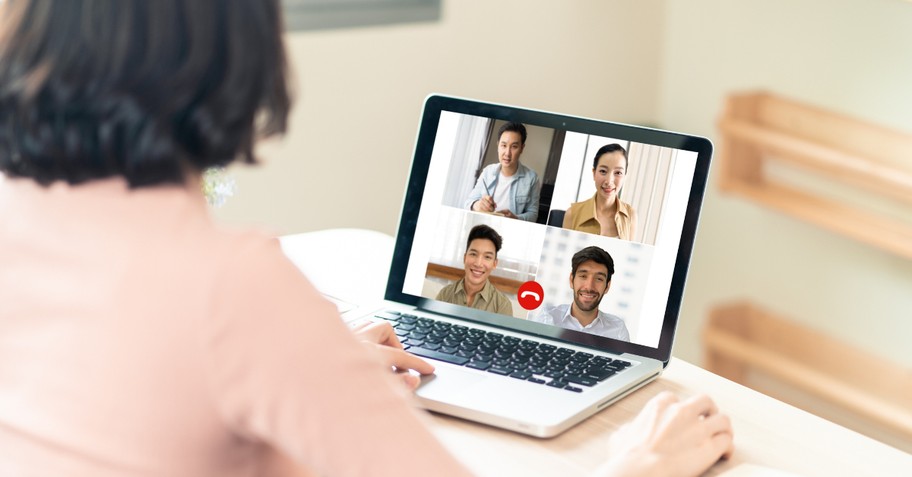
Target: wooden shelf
{"points": [[741, 339], [759, 128]]}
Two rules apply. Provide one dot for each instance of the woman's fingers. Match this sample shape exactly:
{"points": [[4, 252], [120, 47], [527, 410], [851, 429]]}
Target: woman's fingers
{"points": [[379, 332], [700, 405]]}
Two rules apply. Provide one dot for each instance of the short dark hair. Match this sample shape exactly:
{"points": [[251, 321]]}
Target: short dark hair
{"points": [[485, 232], [142, 89], [514, 127], [595, 254], [608, 149]]}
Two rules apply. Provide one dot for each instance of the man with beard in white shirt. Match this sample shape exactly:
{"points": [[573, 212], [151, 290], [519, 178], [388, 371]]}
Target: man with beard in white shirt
{"points": [[590, 279]]}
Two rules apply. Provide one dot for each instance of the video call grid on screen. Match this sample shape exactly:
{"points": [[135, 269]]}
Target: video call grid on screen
{"points": [[658, 180]]}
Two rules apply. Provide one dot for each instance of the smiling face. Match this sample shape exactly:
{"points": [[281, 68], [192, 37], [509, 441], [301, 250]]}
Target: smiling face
{"points": [[509, 148], [590, 283], [480, 260], [609, 175]]}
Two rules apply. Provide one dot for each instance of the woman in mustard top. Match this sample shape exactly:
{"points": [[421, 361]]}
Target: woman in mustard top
{"points": [[605, 214]]}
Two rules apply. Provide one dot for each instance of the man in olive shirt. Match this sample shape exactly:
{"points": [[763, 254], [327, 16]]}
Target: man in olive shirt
{"points": [[480, 259]]}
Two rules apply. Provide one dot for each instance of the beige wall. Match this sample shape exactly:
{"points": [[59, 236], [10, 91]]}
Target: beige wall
{"points": [[361, 90], [851, 56]]}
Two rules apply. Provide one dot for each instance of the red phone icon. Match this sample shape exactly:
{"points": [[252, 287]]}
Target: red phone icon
{"points": [[530, 295]]}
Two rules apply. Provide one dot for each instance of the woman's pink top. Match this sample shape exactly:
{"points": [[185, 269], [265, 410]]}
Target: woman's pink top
{"points": [[139, 339]]}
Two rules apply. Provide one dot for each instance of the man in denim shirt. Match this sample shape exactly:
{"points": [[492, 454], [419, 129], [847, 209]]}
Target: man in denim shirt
{"points": [[507, 188]]}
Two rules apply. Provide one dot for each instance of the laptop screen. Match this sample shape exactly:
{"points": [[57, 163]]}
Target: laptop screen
{"points": [[563, 227]]}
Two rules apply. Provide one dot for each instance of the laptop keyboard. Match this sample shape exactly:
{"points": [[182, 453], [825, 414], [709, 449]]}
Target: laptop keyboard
{"points": [[518, 358]]}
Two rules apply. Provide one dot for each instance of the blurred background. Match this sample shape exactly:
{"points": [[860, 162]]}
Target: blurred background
{"points": [[665, 63]]}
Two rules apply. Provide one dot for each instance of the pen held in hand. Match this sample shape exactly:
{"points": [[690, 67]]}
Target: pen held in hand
{"points": [[485, 184]]}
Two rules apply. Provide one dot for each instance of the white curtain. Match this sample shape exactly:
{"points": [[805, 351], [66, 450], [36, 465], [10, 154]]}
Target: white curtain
{"points": [[648, 179], [471, 136]]}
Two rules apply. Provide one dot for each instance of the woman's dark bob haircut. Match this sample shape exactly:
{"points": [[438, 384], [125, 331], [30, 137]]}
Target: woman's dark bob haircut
{"points": [[144, 89]]}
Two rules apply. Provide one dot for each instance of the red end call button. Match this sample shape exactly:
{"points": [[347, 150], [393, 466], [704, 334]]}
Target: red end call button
{"points": [[530, 295]]}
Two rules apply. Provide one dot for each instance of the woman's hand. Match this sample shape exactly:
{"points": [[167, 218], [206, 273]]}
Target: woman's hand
{"points": [[383, 339], [671, 438]]}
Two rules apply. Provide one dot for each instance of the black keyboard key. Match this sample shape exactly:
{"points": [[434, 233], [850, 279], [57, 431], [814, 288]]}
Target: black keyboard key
{"points": [[536, 380], [556, 383], [405, 326], [521, 375], [616, 365], [449, 358], [522, 353], [482, 365], [465, 353], [415, 342], [431, 346], [388, 316], [448, 349], [580, 380], [571, 388], [483, 356], [600, 374], [408, 319], [504, 371]]}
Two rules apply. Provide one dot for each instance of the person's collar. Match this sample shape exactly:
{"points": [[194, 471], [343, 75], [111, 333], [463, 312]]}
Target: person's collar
{"points": [[520, 170], [623, 208], [588, 211], [486, 291], [569, 316]]}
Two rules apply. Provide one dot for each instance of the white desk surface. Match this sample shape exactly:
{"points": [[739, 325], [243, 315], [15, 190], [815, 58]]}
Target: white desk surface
{"points": [[769, 433]]}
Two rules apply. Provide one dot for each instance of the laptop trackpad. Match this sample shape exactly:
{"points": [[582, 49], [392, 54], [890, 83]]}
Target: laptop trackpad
{"points": [[448, 381]]}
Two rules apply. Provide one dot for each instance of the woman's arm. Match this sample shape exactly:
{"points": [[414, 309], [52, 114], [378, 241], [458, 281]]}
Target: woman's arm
{"points": [[285, 370]]}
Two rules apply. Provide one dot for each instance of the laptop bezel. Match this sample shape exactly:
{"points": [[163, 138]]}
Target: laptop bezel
{"points": [[434, 105]]}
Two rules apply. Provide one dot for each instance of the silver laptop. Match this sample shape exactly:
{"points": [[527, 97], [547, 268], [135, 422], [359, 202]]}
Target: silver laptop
{"points": [[530, 327]]}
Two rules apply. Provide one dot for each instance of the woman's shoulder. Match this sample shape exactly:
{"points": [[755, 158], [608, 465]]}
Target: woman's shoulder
{"points": [[577, 206]]}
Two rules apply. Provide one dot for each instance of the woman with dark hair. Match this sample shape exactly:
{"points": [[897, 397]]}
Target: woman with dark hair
{"points": [[605, 213], [139, 338]]}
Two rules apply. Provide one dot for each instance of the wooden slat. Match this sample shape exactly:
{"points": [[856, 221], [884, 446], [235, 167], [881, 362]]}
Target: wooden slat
{"points": [[829, 128], [749, 165], [757, 128], [865, 385], [855, 170], [878, 231]]}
